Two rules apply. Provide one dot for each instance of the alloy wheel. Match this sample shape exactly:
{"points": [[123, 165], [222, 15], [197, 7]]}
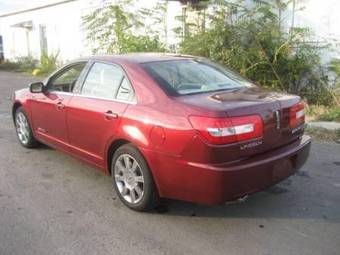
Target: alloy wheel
{"points": [[129, 178], [22, 127]]}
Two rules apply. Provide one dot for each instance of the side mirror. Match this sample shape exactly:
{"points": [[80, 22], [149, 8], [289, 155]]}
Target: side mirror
{"points": [[36, 87]]}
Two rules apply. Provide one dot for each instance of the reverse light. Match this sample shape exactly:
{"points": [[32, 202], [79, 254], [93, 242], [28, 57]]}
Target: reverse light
{"points": [[228, 130], [297, 114]]}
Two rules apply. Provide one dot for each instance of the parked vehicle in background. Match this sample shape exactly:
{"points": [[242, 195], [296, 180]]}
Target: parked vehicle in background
{"points": [[166, 126]]}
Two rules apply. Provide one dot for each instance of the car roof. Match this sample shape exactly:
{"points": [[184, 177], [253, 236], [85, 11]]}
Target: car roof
{"points": [[139, 58]]}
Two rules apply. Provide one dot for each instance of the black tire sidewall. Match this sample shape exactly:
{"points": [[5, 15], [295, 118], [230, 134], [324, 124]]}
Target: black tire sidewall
{"points": [[150, 196]]}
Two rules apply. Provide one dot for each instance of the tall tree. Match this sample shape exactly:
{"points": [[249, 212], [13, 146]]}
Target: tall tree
{"points": [[114, 28], [255, 44]]}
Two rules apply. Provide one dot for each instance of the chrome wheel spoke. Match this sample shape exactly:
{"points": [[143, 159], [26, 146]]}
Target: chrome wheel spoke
{"points": [[20, 118], [134, 166], [119, 178], [139, 179], [124, 191], [139, 191], [19, 123], [126, 162], [133, 196], [22, 128], [120, 167]]}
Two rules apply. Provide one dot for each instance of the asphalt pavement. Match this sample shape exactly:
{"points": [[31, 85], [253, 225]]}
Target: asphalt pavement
{"points": [[51, 204]]}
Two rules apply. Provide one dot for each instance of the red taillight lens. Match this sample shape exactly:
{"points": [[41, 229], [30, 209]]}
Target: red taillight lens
{"points": [[297, 115], [228, 130]]}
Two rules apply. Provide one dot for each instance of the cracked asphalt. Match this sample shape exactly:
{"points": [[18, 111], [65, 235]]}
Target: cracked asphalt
{"points": [[51, 204]]}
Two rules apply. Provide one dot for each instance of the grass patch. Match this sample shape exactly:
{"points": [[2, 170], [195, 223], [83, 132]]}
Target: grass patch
{"points": [[323, 135], [324, 113], [331, 115]]}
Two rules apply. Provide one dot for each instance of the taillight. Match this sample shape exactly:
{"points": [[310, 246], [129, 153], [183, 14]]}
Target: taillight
{"points": [[228, 130], [297, 115]]}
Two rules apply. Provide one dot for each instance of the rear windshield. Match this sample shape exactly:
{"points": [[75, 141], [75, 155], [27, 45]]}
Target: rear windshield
{"points": [[182, 77]]}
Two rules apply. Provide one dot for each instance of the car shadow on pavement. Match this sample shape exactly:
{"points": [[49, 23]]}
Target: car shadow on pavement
{"points": [[43, 147], [279, 201]]}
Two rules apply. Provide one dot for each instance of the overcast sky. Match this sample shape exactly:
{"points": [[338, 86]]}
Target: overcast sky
{"points": [[8, 5]]}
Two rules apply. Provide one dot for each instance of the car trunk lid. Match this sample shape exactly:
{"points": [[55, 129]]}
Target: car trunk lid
{"points": [[273, 107]]}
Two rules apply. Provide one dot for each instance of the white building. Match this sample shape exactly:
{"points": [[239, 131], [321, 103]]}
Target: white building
{"points": [[53, 27], [56, 27], [324, 20]]}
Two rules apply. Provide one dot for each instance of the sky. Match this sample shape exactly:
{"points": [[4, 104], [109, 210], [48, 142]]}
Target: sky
{"points": [[12, 4], [8, 5]]}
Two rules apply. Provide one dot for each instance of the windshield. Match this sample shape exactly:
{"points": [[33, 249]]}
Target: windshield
{"points": [[191, 76]]}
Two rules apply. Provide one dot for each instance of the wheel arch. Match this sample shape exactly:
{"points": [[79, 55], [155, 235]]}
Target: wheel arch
{"points": [[117, 144], [111, 150], [15, 106]]}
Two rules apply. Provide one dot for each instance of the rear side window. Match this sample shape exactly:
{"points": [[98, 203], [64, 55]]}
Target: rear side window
{"points": [[125, 91], [103, 81], [182, 77]]}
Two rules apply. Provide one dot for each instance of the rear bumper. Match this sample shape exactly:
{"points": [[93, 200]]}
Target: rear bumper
{"points": [[217, 183]]}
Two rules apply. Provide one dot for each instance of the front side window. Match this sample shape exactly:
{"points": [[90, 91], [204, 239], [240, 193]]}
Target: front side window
{"points": [[106, 81], [192, 76], [66, 80]]}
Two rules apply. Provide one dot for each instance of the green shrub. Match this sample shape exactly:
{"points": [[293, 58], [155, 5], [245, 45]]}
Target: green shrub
{"points": [[332, 115], [20, 64], [48, 62], [252, 40], [9, 66], [26, 64]]}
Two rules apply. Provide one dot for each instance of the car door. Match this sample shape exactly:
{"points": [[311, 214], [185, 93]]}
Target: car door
{"points": [[49, 108], [94, 114]]}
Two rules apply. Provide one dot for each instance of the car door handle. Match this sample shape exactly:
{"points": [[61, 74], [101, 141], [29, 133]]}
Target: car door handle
{"points": [[60, 106], [109, 115]]}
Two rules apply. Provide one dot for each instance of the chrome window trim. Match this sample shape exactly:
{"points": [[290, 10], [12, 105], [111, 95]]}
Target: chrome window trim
{"points": [[94, 61], [94, 97], [91, 62], [56, 73]]}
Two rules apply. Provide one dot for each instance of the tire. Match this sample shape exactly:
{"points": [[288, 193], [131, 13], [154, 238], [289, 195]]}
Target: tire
{"points": [[133, 183], [23, 129]]}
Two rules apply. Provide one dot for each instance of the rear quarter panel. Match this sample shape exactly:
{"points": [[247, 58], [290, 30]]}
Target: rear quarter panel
{"points": [[156, 121]]}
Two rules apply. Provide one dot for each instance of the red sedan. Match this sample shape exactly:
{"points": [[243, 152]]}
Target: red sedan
{"points": [[166, 127]]}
